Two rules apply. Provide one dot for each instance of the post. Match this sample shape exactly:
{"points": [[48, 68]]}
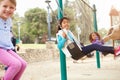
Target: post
{"points": [[48, 20], [96, 29], [62, 55], [111, 21], [49, 26], [18, 24]]}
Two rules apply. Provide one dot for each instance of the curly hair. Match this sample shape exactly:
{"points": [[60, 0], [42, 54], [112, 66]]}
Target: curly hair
{"points": [[90, 36]]}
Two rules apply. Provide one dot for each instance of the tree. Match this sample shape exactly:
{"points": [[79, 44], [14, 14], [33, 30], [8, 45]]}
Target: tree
{"points": [[36, 23], [15, 20]]}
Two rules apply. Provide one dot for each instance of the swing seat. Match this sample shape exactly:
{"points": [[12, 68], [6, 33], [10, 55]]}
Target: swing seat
{"points": [[75, 51]]}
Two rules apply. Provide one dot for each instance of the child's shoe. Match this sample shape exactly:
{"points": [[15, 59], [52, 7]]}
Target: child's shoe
{"points": [[117, 51], [105, 53]]}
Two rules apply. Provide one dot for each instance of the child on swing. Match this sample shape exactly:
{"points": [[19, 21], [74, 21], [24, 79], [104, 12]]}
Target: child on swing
{"points": [[95, 38], [63, 29]]}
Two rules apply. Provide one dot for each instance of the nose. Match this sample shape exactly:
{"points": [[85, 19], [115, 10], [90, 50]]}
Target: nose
{"points": [[7, 9]]}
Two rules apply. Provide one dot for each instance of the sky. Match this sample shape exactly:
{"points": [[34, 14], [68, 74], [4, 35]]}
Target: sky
{"points": [[103, 8], [24, 5]]}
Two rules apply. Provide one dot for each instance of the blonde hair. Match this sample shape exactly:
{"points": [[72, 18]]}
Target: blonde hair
{"points": [[12, 1]]}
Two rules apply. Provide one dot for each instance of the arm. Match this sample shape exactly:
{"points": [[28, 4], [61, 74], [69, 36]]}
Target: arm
{"points": [[61, 41], [113, 33]]}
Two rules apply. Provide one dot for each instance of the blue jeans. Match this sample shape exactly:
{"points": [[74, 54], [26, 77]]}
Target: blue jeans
{"points": [[89, 48]]}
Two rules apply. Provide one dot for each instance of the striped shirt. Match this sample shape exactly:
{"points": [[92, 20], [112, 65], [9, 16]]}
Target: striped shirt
{"points": [[5, 34]]}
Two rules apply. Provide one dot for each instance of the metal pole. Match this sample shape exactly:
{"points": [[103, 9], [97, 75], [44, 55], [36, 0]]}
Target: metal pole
{"points": [[96, 29], [62, 55], [18, 23], [49, 27], [60, 9]]}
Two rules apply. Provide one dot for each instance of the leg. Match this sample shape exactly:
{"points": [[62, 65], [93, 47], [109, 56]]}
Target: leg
{"points": [[23, 65], [92, 47], [13, 64], [6, 67]]}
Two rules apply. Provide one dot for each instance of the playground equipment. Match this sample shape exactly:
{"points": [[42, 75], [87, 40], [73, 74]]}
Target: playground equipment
{"points": [[62, 55], [87, 22], [49, 20]]}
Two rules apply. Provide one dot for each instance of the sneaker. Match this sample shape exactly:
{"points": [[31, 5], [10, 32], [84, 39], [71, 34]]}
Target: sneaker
{"points": [[90, 55], [117, 51], [105, 53]]}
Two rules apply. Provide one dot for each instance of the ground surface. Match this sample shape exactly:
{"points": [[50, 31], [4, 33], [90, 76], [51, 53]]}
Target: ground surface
{"points": [[83, 70]]}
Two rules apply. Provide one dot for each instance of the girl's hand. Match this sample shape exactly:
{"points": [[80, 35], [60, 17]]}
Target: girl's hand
{"points": [[64, 35]]}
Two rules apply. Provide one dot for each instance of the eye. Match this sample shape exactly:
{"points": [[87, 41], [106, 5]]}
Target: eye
{"points": [[5, 6], [12, 8]]}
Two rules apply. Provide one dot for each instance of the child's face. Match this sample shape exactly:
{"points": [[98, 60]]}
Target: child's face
{"points": [[6, 9], [65, 24], [94, 36]]}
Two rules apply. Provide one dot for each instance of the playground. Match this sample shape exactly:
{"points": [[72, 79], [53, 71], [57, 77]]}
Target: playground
{"points": [[47, 67], [86, 70], [47, 63], [83, 70], [106, 68]]}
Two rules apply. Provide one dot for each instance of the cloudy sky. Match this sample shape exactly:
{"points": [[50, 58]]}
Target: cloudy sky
{"points": [[103, 8]]}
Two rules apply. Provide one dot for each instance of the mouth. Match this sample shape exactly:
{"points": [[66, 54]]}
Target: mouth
{"points": [[7, 14]]}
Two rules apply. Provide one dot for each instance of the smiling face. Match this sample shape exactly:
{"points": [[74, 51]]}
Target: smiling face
{"points": [[7, 9], [94, 36], [65, 24]]}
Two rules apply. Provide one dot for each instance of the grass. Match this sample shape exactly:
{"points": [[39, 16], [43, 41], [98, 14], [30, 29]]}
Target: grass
{"points": [[33, 46]]}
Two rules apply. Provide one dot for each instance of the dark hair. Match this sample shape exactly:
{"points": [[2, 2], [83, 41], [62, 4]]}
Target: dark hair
{"points": [[60, 23], [61, 20], [90, 36]]}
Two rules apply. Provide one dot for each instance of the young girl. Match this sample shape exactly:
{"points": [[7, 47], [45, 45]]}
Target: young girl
{"points": [[63, 29], [95, 38], [16, 65]]}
